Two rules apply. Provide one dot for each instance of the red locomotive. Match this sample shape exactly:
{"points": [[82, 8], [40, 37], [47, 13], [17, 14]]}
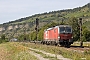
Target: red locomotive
{"points": [[61, 34]]}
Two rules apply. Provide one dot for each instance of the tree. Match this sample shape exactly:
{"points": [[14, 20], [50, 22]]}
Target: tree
{"points": [[32, 36], [40, 35], [23, 37], [3, 37], [86, 34], [75, 26]]}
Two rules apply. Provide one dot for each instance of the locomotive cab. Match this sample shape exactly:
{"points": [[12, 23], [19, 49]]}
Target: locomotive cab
{"points": [[65, 35]]}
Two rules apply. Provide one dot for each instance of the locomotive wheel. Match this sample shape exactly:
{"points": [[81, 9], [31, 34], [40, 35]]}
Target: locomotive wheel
{"points": [[43, 42], [47, 43], [68, 45]]}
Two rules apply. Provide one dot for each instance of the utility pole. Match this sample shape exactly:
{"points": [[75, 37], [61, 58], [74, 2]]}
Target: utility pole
{"points": [[80, 22], [36, 28]]}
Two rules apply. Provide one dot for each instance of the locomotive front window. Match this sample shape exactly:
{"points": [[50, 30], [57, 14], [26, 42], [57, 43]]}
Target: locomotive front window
{"points": [[68, 29], [62, 29], [65, 30]]}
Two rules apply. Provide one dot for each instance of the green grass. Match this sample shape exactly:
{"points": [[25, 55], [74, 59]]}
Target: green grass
{"points": [[74, 55]]}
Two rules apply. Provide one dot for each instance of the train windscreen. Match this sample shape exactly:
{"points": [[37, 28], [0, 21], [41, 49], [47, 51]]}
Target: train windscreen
{"points": [[65, 30]]}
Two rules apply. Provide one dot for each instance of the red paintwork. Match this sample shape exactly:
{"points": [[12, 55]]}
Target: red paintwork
{"points": [[65, 36], [53, 34]]}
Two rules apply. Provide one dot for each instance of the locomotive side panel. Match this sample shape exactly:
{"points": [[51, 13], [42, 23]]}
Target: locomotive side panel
{"points": [[45, 35], [51, 35], [56, 34]]}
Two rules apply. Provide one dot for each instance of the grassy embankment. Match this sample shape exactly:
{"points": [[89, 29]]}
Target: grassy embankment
{"points": [[18, 51], [15, 51], [74, 55]]}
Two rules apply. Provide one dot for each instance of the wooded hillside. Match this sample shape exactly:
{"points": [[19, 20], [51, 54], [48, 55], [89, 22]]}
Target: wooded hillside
{"points": [[26, 25]]}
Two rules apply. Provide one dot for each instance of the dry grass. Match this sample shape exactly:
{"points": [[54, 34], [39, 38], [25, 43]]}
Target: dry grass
{"points": [[84, 44], [18, 51], [15, 51]]}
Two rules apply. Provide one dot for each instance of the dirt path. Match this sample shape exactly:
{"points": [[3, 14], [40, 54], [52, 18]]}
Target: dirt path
{"points": [[60, 57], [38, 56]]}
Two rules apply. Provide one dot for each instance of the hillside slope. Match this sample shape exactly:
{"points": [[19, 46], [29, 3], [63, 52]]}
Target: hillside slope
{"points": [[27, 24]]}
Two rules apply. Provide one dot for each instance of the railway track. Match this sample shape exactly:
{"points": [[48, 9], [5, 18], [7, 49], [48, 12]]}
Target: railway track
{"points": [[78, 49], [74, 48]]}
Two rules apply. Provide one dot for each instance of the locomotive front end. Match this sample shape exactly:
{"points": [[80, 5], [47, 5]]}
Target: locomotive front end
{"points": [[65, 34]]}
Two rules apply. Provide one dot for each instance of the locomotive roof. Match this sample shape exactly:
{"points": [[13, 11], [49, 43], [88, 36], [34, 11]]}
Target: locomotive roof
{"points": [[49, 28], [64, 26], [58, 26]]}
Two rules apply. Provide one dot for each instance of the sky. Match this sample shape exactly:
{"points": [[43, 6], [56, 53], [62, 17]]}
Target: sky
{"points": [[11, 10]]}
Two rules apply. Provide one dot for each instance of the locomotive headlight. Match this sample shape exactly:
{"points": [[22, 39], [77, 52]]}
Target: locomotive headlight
{"points": [[72, 37], [58, 37]]}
